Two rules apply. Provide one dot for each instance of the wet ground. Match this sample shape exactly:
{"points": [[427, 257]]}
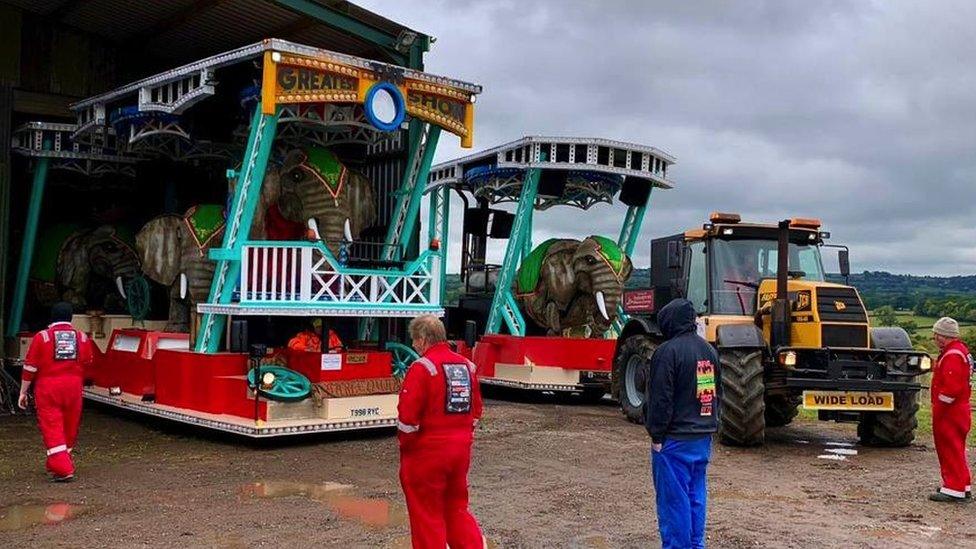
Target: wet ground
{"points": [[545, 474]]}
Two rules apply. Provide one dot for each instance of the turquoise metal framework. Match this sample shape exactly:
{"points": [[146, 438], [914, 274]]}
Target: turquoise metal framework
{"points": [[503, 306], [628, 242], [317, 282], [238, 226], [49, 144], [27, 246], [512, 172]]}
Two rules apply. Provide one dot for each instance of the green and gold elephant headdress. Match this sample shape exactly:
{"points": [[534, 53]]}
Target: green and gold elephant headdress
{"points": [[323, 165], [611, 252]]}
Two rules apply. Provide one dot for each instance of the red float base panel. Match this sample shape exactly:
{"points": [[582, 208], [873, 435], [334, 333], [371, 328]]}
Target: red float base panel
{"points": [[594, 355], [350, 365], [142, 362]]}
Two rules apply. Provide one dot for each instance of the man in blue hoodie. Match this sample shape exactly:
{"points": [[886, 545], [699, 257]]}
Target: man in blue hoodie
{"points": [[681, 414]]}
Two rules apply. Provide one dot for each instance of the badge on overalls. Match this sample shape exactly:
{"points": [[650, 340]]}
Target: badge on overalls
{"points": [[458, 379], [65, 345]]}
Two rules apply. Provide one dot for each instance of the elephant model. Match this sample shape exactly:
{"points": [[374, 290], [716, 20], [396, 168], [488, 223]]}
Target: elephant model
{"points": [[316, 190], [174, 252], [566, 284], [90, 268]]}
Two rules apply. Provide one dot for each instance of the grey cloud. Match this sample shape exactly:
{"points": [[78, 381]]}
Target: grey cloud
{"points": [[860, 113]]}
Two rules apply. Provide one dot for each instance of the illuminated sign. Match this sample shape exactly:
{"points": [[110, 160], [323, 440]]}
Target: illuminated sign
{"points": [[290, 79], [302, 81]]}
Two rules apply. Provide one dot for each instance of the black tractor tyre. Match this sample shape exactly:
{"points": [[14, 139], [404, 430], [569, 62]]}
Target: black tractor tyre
{"points": [[891, 429], [781, 409], [742, 419], [631, 368]]}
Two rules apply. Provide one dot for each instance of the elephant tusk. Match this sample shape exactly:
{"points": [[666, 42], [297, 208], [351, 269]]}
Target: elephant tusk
{"points": [[602, 305], [118, 284], [183, 285], [347, 230], [313, 226]]}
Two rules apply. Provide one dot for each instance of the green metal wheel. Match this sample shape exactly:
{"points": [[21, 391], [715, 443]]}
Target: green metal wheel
{"points": [[281, 384], [403, 356], [137, 298]]}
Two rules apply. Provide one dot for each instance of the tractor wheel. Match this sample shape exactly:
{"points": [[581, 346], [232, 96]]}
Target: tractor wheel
{"points": [[742, 418], [630, 374], [893, 429], [781, 409]]}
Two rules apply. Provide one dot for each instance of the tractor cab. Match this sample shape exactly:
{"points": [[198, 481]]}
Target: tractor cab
{"points": [[725, 265]]}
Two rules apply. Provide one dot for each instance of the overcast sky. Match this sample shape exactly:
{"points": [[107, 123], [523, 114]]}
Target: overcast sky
{"points": [[860, 113]]}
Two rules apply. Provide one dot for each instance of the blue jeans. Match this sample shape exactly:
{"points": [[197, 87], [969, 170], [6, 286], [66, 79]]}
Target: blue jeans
{"points": [[679, 483]]}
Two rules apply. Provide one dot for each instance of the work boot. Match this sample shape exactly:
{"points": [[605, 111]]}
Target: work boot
{"points": [[946, 498]]}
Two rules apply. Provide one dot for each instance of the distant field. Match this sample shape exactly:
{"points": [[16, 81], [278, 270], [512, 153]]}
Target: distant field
{"points": [[921, 322]]}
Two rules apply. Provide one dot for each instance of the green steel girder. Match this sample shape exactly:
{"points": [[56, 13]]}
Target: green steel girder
{"points": [[27, 245], [503, 305], [239, 219], [342, 22]]}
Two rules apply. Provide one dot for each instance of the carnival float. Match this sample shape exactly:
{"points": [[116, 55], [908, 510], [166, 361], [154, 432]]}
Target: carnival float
{"points": [[310, 168], [546, 318]]}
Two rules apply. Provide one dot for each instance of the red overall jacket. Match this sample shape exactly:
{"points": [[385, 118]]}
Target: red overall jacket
{"points": [[52, 342], [950, 380], [423, 408]]}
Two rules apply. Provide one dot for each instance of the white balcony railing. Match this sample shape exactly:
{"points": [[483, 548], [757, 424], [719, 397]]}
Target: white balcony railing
{"points": [[307, 275]]}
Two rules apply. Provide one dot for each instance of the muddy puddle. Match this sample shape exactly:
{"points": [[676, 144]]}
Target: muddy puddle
{"points": [[341, 499], [21, 517], [376, 513]]}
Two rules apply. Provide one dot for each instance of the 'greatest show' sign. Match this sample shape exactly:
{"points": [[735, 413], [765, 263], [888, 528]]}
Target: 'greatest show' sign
{"points": [[295, 79]]}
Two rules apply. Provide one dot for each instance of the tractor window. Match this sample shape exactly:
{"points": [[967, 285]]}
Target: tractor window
{"points": [[738, 266], [697, 281]]}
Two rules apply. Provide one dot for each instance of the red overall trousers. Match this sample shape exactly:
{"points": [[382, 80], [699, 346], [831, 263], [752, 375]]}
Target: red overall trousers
{"points": [[440, 402], [951, 417], [55, 364]]}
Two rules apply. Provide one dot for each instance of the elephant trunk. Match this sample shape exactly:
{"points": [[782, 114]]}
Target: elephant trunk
{"points": [[607, 290], [125, 269]]}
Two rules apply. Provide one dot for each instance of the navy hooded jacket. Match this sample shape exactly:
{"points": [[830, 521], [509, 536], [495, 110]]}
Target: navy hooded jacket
{"points": [[681, 393]]}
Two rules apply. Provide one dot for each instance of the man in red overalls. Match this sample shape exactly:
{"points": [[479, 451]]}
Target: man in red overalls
{"points": [[56, 360], [440, 403], [951, 416]]}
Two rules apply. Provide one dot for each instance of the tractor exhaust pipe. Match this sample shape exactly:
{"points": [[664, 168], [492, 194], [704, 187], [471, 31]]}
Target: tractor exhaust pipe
{"points": [[781, 307]]}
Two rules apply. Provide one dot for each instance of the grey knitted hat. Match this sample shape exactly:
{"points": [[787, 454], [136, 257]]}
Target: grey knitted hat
{"points": [[947, 327]]}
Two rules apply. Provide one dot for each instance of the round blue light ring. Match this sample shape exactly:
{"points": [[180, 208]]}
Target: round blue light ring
{"points": [[399, 106]]}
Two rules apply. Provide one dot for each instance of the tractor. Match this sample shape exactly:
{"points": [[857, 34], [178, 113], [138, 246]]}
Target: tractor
{"points": [[785, 336]]}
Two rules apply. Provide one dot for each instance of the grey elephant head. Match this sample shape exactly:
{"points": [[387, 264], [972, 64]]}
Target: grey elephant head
{"points": [[565, 284], [174, 252], [93, 258], [319, 191], [270, 195]]}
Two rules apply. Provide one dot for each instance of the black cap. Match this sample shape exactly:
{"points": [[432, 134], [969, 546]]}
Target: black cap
{"points": [[61, 312]]}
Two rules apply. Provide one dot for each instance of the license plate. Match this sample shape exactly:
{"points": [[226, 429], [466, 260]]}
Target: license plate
{"points": [[848, 400]]}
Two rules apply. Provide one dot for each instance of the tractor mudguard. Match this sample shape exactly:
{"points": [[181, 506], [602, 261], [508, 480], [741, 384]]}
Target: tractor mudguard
{"points": [[890, 338], [740, 336], [640, 325]]}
